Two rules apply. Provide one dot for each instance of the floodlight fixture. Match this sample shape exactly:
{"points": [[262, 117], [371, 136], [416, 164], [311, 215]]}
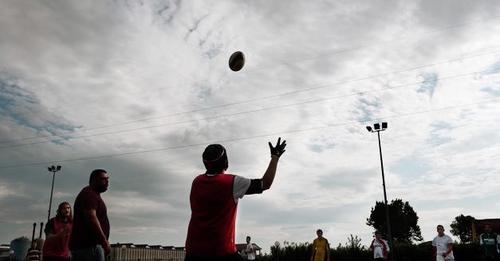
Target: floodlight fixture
{"points": [[52, 169], [377, 128]]}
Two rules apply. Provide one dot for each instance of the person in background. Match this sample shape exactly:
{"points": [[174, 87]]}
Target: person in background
{"points": [[442, 246], [489, 244], [57, 232], [320, 248], [90, 232], [249, 250], [379, 247]]}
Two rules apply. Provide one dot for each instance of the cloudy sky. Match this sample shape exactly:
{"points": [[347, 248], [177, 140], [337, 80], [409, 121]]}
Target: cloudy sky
{"points": [[139, 88]]}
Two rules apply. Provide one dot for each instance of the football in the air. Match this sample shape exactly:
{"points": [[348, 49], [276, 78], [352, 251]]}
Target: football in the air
{"points": [[236, 61]]}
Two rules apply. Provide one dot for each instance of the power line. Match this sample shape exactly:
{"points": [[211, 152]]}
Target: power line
{"points": [[443, 29], [313, 101], [322, 86], [394, 116]]}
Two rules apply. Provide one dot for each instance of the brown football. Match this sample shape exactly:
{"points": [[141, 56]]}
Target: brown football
{"points": [[236, 61]]}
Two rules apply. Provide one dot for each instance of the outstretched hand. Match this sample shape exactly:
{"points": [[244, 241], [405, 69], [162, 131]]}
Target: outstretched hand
{"points": [[279, 149]]}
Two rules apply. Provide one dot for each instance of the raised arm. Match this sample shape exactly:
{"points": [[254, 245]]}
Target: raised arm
{"points": [[276, 152]]}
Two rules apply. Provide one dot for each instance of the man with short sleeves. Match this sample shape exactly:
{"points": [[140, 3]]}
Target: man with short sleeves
{"points": [[380, 247], [90, 232], [320, 248], [488, 243], [249, 249], [442, 246], [214, 200]]}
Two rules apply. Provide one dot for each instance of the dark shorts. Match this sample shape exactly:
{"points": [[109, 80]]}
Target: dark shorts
{"points": [[233, 257]]}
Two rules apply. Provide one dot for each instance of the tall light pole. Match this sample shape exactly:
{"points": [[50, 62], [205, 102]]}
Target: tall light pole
{"points": [[52, 169], [377, 127]]}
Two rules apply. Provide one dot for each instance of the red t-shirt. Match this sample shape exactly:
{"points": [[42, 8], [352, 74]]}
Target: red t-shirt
{"points": [[57, 246], [213, 217], [83, 235]]}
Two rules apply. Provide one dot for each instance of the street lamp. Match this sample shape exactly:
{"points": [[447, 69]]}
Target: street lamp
{"points": [[52, 169], [378, 128]]}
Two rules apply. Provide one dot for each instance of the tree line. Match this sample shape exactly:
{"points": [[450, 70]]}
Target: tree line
{"points": [[407, 238], [404, 223]]}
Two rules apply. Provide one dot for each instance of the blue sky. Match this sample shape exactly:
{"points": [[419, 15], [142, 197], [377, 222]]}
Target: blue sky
{"points": [[141, 87]]}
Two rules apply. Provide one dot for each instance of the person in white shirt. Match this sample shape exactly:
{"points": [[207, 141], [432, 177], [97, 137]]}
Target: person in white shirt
{"points": [[442, 246], [379, 247], [250, 250]]}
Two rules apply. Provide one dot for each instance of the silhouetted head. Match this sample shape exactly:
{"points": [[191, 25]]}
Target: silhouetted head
{"points": [[64, 211], [440, 230], [319, 233], [248, 239], [487, 228], [378, 234], [215, 159], [99, 180]]}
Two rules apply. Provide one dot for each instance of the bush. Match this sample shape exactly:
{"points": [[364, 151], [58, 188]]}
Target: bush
{"points": [[354, 251]]}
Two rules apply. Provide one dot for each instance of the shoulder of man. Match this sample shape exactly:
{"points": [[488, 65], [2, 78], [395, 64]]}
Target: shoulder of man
{"points": [[51, 222], [86, 192], [50, 225]]}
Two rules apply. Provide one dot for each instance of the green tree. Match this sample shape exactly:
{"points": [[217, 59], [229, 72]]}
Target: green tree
{"points": [[462, 228], [354, 242], [403, 219]]}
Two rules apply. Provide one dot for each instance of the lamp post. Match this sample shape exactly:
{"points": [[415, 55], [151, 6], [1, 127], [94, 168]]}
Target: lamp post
{"points": [[377, 127], [52, 169]]}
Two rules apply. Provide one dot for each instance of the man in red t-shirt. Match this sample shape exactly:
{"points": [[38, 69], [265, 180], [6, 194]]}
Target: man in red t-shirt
{"points": [[90, 232], [57, 233], [214, 200]]}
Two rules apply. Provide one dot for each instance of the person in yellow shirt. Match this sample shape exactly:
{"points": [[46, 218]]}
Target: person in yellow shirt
{"points": [[320, 248]]}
